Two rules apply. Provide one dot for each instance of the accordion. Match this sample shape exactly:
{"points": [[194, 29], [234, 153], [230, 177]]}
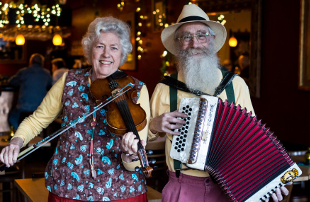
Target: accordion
{"points": [[237, 150]]}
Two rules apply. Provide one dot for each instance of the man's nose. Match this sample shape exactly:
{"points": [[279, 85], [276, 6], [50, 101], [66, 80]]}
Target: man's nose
{"points": [[195, 42]]}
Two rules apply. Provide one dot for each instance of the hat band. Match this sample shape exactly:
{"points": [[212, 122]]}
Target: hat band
{"points": [[191, 18]]}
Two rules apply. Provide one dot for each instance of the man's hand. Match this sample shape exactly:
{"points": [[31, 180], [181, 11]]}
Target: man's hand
{"points": [[9, 154], [278, 196], [167, 122]]}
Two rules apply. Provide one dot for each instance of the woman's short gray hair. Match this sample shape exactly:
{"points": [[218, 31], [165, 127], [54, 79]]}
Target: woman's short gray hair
{"points": [[107, 25]]}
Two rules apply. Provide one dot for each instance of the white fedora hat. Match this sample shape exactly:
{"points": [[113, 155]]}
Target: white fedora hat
{"points": [[192, 13]]}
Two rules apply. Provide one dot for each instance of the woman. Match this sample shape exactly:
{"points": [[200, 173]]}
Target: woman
{"points": [[71, 175]]}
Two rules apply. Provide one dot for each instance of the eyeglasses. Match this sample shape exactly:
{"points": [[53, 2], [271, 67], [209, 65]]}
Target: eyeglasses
{"points": [[200, 36]]}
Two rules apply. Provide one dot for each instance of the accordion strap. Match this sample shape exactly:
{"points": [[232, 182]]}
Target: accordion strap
{"points": [[174, 85]]}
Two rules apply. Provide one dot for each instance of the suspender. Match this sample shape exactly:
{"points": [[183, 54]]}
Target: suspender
{"points": [[226, 84], [173, 107]]}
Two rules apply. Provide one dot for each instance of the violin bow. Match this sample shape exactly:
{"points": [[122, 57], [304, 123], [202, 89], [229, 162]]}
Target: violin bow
{"points": [[39, 144]]}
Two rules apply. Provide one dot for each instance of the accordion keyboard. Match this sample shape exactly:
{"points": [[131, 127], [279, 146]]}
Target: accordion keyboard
{"points": [[181, 139]]}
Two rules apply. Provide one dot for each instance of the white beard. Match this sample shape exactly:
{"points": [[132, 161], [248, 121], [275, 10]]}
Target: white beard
{"points": [[200, 72]]}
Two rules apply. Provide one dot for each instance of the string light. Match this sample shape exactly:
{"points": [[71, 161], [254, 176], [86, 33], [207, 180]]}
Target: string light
{"points": [[221, 19], [39, 13], [121, 5]]}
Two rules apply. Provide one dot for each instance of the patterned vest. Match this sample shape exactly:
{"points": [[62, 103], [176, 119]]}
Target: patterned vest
{"points": [[68, 172]]}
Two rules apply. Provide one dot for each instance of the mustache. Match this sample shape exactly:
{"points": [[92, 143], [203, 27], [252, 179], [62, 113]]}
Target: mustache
{"points": [[193, 51]]}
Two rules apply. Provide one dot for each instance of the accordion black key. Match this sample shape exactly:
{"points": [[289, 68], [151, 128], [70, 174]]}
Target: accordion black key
{"points": [[237, 150]]}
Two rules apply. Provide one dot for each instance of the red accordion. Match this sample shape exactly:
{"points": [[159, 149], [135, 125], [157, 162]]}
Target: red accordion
{"points": [[243, 156]]}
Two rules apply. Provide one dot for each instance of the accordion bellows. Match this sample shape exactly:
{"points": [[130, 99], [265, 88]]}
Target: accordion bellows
{"points": [[240, 153]]}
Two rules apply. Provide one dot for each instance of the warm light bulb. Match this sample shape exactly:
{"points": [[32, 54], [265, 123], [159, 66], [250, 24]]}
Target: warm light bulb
{"points": [[232, 42], [57, 40], [20, 40]]}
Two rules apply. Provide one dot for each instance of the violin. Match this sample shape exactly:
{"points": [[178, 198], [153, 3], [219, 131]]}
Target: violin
{"points": [[123, 115]]}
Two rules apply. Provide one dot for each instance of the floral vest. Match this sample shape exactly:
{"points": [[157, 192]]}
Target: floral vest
{"points": [[68, 172]]}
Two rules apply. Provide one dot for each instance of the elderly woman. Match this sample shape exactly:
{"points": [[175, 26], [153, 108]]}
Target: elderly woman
{"points": [[71, 175]]}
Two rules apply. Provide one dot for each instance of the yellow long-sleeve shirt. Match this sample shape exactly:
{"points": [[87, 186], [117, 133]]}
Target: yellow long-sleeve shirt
{"points": [[160, 103], [51, 107]]}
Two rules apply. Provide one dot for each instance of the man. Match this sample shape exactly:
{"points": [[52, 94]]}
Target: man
{"points": [[194, 40], [244, 65], [33, 82], [58, 68]]}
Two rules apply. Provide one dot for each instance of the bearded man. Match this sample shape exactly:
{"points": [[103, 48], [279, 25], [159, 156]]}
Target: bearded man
{"points": [[194, 40]]}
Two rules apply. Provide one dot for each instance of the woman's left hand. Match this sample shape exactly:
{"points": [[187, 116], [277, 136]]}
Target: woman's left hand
{"points": [[129, 146]]}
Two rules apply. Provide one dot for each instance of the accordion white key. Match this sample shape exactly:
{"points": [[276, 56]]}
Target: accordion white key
{"points": [[243, 156]]}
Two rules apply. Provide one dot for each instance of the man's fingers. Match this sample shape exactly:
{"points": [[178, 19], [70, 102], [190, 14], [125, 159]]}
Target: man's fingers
{"points": [[279, 195], [284, 191], [176, 121], [274, 197], [176, 113]]}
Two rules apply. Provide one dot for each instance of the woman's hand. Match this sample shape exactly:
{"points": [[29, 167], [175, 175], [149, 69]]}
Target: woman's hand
{"points": [[168, 122], [129, 147], [9, 154]]}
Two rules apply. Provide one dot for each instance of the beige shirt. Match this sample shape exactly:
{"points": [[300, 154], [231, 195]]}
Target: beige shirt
{"points": [[51, 107], [160, 103]]}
